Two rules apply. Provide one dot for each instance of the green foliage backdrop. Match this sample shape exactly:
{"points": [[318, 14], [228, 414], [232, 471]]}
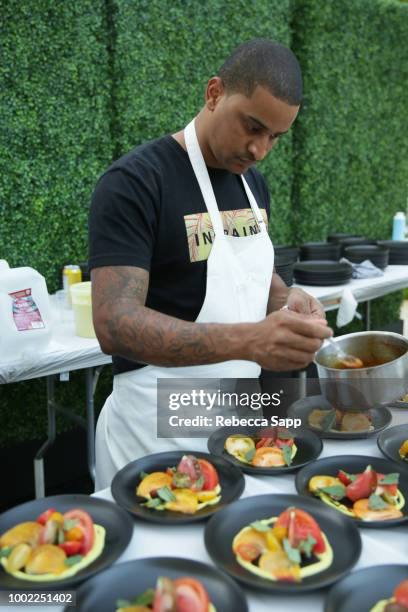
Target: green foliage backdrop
{"points": [[82, 83]]}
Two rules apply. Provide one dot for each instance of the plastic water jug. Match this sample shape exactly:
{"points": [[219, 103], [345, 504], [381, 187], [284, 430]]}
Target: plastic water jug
{"points": [[398, 226], [82, 306], [25, 313]]}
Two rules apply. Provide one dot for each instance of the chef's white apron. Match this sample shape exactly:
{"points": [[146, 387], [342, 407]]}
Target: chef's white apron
{"points": [[239, 272]]}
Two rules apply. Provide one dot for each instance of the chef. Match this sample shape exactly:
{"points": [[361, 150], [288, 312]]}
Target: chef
{"points": [[183, 283]]}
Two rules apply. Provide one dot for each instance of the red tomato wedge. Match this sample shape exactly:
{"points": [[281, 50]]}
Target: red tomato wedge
{"points": [[71, 548], [189, 465], [264, 442], [43, 518], [363, 485], [209, 474], [191, 596], [86, 524], [401, 593], [344, 478], [300, 526], [280, 442]]}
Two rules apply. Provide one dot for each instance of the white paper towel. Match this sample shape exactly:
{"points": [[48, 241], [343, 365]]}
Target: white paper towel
{"points": [[347, 308]]}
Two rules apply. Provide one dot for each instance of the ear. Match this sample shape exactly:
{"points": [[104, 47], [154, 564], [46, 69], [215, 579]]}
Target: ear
{"points": [[214, 92]]}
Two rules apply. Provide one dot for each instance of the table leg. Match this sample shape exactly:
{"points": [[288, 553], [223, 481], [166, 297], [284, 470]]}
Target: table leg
{"points": [[39, 480], [90, 418], [367, 315]]}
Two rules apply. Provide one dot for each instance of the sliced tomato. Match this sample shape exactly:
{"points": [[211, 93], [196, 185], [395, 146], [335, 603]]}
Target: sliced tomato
{"points": [[249, 551], [344, 477], [189, 465], [209, 473], [264, 442], [281, 442], [363, 485], [401, 593], [300, 524], [86, 524], [191, 596], [71, 548], [43, 518]]}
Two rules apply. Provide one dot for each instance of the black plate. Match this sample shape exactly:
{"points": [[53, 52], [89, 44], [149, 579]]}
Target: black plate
{"points": [[118, 525], [126, 481], [380, 418], [309, 447], [323, 268], [353, 464], [361, 590], [390, 441], [127, 580], [342, 534]]}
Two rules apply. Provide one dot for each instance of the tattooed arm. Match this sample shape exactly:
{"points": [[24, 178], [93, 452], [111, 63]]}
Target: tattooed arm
{"points": [[126, 327]]}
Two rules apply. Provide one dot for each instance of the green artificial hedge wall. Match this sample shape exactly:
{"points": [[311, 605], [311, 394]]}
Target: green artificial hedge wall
{"points": [[55, 103], [350, 141], [82, 83], [165, 52]]}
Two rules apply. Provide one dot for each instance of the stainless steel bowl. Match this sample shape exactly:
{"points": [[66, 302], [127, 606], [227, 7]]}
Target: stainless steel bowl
{"points": [[383, 380]]}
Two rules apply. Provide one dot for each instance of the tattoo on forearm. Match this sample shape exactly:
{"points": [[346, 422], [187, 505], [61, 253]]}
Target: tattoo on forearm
{"points": [[143, 334]]}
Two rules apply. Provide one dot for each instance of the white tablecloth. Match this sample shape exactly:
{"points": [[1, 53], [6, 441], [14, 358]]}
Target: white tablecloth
{"points": [[379, 546]]}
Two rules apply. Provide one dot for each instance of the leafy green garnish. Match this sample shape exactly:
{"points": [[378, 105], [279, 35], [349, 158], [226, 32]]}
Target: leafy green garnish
{"points": [[73, 560], [336, 491], [284, 435], [293, 553], [389, 479], [70, 524], [199, 483], [166, 494], [4, 552], [376, 502], [260, 526], [306, 546], [329, 420], [287, 454], [123, 603], [153, 503], [249, 455], [145, 599], [61, 536], [143, 474], [181, 480]]}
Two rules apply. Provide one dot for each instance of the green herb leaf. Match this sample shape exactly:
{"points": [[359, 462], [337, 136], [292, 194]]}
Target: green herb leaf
{"points": [[336, 491], [329, 420], [199, 483], [166, 494], [389, 479], [376, 502], [307, 546], [70, 524], [73, 560], [143, 475], [284, 435], [181, 480], [153, 503], [250, 455], [287, 454], [293, 553], [259, 526], [4, 552], [145, 599]]}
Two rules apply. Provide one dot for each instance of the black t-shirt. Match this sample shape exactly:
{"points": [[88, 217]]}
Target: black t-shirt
{"points": [[148, 211]]}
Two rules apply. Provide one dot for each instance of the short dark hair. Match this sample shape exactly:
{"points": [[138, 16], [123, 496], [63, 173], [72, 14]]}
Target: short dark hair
{"points": [[267, 63]]}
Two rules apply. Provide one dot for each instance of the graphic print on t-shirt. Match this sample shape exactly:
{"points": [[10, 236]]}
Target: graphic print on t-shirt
{"points": [[200, 233]]}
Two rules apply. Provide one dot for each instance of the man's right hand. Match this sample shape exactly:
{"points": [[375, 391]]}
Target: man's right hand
{"points": [[287, 340]]}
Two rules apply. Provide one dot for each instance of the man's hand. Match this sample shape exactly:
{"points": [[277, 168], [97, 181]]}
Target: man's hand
{"points": [[287, 340], [303, 303]]}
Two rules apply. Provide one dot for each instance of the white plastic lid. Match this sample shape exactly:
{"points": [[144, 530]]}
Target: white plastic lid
{"points": [[4, 265], [399, 215]]}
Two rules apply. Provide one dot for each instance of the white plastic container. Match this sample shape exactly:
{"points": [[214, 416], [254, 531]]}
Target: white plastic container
{"points": [[398, 226], [25, 313], [82, 306]]}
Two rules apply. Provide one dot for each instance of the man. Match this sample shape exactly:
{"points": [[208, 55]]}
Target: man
{"points": [[181, 259]]}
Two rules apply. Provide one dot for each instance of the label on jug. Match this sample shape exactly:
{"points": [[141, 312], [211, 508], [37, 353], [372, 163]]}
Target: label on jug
{"points": [[25, 311]]}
